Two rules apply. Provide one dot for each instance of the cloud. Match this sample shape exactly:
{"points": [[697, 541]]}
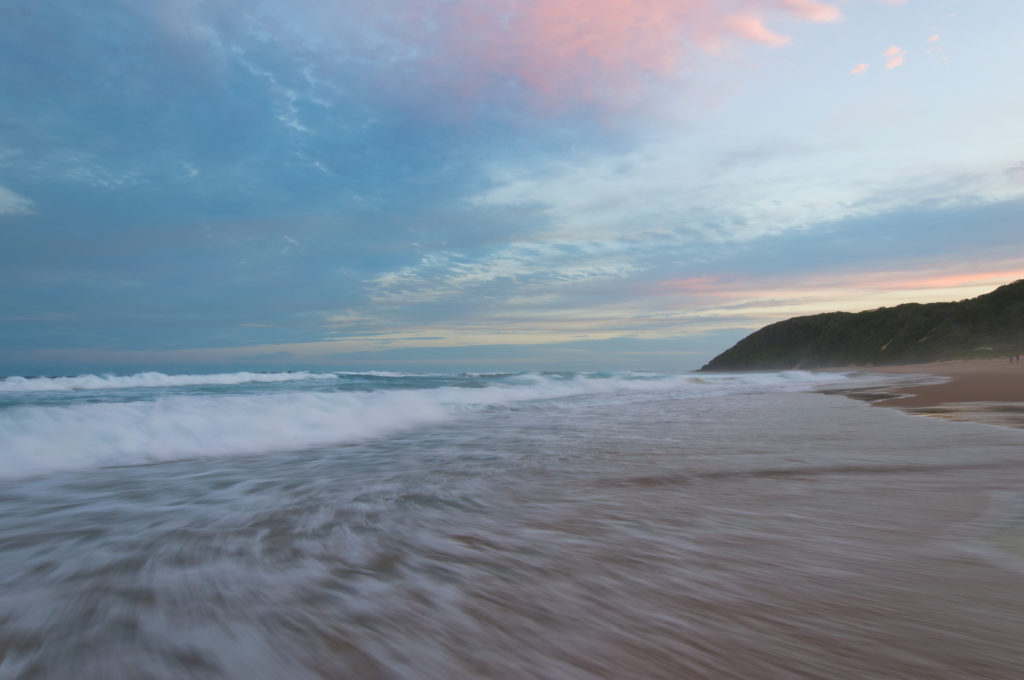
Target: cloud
{"points": [[752, 28], [757, 301], [544, 267], [942, 278], [935, 50], [813, 10], [663, 194], [572, 45], [558, 52], [858, 69], [13, 204], [552, 44], [895, 56]]}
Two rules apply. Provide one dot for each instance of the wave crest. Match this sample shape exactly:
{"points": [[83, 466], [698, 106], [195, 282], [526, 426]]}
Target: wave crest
{"points": [[149, 379], [38, 438]]}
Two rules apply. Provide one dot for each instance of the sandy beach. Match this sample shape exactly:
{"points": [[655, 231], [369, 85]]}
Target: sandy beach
{"points": [[980, 390]]}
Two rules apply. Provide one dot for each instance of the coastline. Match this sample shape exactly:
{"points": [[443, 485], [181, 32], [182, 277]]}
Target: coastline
{"points": [[989, 391]]}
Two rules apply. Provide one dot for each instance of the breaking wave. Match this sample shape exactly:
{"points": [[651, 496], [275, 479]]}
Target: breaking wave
{"points": [[149, 379], [81, 432]]}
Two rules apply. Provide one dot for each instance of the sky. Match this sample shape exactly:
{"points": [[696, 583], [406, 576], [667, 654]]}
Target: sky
{"points": [[205, 185]]}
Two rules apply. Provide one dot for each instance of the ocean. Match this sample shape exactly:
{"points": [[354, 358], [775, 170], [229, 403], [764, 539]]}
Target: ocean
{"points": [[506, 525]]}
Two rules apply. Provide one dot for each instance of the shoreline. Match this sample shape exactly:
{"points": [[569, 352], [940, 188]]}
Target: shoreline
{"points": [[989, 391]]}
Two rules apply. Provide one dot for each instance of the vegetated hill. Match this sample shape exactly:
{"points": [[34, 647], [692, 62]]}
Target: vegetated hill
{"points": [[989, 325]]}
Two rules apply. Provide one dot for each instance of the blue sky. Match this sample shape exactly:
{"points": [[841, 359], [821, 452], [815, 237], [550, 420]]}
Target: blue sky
{"points": [[517, 184]]}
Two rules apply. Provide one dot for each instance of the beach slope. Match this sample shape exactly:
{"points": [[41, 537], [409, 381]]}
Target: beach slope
{"points": [[981, 390]]}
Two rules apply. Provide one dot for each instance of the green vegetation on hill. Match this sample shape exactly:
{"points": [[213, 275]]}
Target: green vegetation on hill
{"points": [[989, 325]]}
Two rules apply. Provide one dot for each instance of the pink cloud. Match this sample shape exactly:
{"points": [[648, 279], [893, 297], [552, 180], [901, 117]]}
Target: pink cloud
{"points": [[752, 28], [696, 284], [858, 69], [934, 38], [774, 298], [929, 280], [895, 56], [548, 52], [600, 50], [571, 44], [813, 10]]}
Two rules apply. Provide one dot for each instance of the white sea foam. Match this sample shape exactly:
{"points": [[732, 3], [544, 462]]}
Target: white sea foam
{"points": [[149, 379], [390, 374], [40, 438]]}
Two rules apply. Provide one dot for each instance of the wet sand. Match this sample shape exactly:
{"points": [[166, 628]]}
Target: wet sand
{"points": [[979, 390], [709, 535]]}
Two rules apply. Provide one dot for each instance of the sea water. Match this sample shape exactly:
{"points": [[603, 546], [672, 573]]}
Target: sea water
{"points": [[529, 525]]}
